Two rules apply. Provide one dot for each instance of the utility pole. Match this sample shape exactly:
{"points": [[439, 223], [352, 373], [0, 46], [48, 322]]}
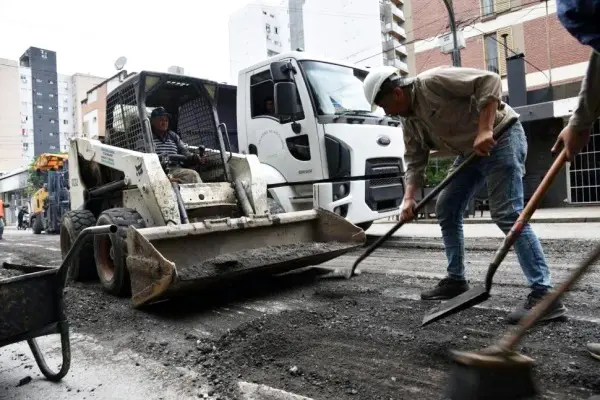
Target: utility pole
{"points": [[456, 52]]}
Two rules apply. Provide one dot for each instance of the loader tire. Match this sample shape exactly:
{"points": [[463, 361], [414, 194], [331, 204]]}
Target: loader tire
{"points": [[83, 267], [38, 225], [110, 251]]}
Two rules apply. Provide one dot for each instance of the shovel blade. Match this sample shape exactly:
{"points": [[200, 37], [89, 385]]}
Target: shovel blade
{"points": [[466, 300]]}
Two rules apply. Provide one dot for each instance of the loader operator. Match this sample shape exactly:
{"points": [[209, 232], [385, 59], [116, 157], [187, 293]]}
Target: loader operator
{"points": [[580, 18], [458, 110], [168, 142]]}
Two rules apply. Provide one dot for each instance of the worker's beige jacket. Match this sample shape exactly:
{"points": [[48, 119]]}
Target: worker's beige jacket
{"points": [[588, 108], [446, 106]]}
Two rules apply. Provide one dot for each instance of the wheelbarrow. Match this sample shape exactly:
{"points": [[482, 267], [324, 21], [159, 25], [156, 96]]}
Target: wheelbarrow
{"points": [[32, 305]]}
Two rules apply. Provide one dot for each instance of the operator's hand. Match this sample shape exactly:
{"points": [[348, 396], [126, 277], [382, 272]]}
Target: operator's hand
{"points": [[572, 140], [196, 159], [407, 211], [484, 142]]}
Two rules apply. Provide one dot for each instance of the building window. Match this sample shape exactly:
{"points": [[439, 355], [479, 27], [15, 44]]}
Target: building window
{"points": [[52, 147], [23, 78], [39, 106], [66, 109], [52, 121], [51, 95], [50, 81], [65, 122], [51, 134], [491, 53], [487, 7], [38, 93], [25, 146], [38, 80], [24, 103], [44, 53]]}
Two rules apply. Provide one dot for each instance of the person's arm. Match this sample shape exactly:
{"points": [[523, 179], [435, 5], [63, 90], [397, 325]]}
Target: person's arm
{"points": [[588, 107], [416, 156], [181, 146]]}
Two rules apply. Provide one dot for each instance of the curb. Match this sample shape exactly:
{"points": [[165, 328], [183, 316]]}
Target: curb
{"points": [[572, 220]]}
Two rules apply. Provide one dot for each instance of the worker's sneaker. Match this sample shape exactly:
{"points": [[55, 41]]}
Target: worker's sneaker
{"points": [[556, 311], [594, 350], [446, 289]]}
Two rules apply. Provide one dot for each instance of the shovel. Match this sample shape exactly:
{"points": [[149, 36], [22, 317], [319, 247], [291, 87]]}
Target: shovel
{"points": [[423, 203], [479, 294], [498, 372]]}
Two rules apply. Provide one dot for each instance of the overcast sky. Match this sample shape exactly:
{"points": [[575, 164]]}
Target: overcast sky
{"points": [[88, 36]]}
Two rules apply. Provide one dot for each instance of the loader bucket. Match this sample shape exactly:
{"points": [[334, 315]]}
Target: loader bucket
{"points": [[170, 260]]}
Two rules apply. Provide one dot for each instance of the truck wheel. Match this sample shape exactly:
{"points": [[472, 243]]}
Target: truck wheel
{"points": [[365, 225], [73, 222], [110, 251], [38, 226]]}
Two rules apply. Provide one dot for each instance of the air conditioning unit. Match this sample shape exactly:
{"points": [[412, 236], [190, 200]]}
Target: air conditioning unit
{"points": [[446, 42]]}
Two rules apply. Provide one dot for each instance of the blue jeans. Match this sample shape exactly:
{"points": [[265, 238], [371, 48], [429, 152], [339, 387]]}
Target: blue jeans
{"points": [[503, 170]]}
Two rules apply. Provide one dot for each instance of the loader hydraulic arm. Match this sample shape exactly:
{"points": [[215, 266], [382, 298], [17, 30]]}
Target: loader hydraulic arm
{"points": [[140, 169]]}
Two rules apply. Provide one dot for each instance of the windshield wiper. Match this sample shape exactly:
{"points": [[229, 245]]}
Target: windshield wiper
{"points": [[354, 112]]}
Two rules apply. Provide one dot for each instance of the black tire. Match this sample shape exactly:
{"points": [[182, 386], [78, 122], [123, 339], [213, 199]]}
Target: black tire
{"points": [[38, 226], [83, 267], [110, 251], [365, 225]]}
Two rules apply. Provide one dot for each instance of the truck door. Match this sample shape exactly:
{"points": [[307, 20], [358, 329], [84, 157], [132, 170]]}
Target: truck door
{"points": [[291, 147]]}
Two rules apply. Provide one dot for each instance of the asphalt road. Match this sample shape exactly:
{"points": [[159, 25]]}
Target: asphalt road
{"points": [[302, 336]]}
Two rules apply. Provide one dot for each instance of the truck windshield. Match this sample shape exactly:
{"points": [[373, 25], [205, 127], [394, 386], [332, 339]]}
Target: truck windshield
{"points": [[338, 89]]}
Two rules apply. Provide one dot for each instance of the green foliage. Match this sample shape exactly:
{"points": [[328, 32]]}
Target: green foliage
{"points": [[437, 170], [34, 181]]}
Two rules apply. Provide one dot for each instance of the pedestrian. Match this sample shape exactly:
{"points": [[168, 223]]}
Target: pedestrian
{"points": [[458, 110], [581, 19]]}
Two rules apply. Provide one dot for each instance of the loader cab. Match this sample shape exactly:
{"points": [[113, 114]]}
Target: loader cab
{"points": [[191, 103]]}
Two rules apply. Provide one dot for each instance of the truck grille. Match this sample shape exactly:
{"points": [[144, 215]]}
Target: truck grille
{"points": [[383, 194]]}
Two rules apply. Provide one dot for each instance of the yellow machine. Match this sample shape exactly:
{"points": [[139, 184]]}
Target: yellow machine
{"points": [[44, 164]]}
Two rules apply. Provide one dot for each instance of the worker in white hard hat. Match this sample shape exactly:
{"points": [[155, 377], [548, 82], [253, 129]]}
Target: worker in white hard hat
{"points": [[458, 110]]}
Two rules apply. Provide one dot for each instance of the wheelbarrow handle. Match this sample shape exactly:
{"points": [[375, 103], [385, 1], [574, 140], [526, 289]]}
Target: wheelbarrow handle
{"points": [[519, 225]]}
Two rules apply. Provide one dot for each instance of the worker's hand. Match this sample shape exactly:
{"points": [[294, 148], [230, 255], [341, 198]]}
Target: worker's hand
{"points": [[407, 211], [574, 141], [484, 142]]}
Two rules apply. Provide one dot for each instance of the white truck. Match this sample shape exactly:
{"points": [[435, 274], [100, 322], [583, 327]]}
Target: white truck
{"points": [[327, 153]]}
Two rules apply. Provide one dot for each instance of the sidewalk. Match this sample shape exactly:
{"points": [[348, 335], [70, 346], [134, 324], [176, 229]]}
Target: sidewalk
{"points": [[545, 215], [544, 230]]}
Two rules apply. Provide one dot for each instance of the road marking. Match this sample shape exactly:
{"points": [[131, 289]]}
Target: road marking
{"points": [[253, 391]]}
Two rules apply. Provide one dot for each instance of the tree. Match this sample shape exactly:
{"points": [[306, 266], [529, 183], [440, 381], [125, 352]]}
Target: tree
{"points": [[35, 181], [437, 170]]}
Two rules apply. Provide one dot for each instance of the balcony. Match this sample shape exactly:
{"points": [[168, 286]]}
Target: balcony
{"points": [[394, 29], [397, 13], [394, 44], [401, 65], [397, 2]]}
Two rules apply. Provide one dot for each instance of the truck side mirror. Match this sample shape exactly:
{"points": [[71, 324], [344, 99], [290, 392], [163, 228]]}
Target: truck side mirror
{"points": [[286, 104]]}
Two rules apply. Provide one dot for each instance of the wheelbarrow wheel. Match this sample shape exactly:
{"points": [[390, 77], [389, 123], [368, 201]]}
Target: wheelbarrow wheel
{"points": [[73, 222], [110, 251], [66, 355]]}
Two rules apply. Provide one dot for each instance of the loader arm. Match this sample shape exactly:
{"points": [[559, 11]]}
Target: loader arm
{"points": [[140, 169]]}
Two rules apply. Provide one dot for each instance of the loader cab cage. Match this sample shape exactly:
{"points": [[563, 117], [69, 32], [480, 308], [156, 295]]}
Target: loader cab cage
{"points": [[191, 103]]}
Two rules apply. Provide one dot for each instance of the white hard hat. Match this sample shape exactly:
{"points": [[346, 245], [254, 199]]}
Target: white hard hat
{"points": [[374, 80]]}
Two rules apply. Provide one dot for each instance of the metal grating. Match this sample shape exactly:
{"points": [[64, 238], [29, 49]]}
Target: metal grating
{"points": [[584, 172], [123, 123], [196, 126]]}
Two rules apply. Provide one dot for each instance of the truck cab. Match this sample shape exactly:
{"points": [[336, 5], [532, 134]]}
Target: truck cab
{"points": [[328, 134]]}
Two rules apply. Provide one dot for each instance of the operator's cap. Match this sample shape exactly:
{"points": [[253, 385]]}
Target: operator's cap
{"points": [[159, 112]]}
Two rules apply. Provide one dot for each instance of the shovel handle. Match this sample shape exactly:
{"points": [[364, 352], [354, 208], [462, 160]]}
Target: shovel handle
{"points": [[510, 339], [519, 225], [426, 200]]}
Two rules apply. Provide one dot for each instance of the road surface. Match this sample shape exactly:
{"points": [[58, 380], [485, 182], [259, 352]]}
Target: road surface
{"points": [[302, 336]]}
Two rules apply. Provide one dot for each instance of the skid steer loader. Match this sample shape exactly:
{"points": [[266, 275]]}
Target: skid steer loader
{"points": [[174, 237]]}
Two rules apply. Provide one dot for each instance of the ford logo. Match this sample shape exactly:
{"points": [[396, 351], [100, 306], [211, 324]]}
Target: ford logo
{"points": [[383, 141]]}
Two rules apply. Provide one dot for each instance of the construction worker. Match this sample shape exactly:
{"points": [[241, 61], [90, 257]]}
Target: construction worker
{"points": [[581, 20], [22, 212], [459, 110], [168, 142]]}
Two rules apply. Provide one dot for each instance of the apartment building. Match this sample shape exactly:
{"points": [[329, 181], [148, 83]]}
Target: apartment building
{"points": [[41, 108], [364, 32], [541, 66], [93, 107], [10, 133]]}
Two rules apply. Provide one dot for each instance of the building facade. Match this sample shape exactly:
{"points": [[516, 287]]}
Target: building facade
{"points": [[364, 32], [93, 107], [538, 60], [10, 125]]}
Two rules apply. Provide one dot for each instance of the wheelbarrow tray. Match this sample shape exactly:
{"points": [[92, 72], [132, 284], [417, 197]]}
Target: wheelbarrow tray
{"points": [[32, 306]]}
